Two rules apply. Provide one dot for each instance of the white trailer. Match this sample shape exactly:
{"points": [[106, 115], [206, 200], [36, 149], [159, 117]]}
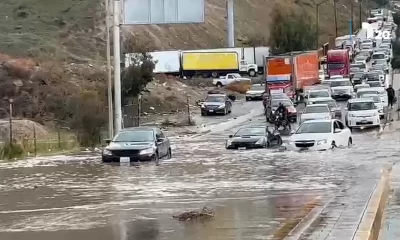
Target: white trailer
{"points": [[165, 61]]}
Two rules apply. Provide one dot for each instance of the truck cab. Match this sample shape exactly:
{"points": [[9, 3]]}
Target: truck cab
{"points": [[248, 68], [338, 62]]}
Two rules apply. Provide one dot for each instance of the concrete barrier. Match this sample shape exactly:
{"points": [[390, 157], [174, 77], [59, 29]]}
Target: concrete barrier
{"points": [[371, 222]]}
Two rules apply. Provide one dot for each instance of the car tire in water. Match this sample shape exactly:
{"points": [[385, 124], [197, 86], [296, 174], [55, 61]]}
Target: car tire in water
{"points": [[333, 145], [169, 154], [350, 142]]}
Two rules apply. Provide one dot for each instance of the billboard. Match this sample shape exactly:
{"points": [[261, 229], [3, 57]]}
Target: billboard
{"points": [[137, 12]]}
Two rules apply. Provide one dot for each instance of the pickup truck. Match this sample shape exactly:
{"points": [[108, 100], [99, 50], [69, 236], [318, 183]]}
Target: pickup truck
{"points": [[228, 79]]}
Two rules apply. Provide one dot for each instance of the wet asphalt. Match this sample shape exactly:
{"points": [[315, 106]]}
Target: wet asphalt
{"points": [[252, 191]]}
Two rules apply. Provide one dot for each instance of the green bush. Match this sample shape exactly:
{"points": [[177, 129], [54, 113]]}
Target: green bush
{"points": [[11, 151]]}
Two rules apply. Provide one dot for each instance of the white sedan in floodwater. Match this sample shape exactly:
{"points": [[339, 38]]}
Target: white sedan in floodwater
{"points": [[321, 134]]}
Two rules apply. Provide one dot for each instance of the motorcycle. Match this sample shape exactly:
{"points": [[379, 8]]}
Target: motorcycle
{"points": [[274, 138], [281, 123]]}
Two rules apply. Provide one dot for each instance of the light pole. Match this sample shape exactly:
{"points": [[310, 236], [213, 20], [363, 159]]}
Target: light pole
{"points": [[117, 66], [317, 22], [230, 12], [109, 78]]}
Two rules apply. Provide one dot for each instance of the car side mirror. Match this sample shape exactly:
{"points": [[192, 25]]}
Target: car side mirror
{"points": [[108, 141], [338, 130], [230, 136], [345, 109], [292, 132]]}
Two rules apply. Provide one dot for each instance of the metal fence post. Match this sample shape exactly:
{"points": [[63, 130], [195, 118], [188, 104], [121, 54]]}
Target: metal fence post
{"points": [[34, 140], [188, 109], [59, 138]]}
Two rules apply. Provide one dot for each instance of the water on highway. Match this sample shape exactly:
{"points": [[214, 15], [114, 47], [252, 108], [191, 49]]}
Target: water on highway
{"points": [[251, 191]]}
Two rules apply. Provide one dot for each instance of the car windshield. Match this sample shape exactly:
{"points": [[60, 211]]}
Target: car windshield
{"points": [[134, 136], [340, 83], [318, 94], [361, 86], [250, 132], [376, 98], [359, 94], [335, 65], [330, 103], [380, 62], [372, 76], [357, 65], [361, 106], [378, 56], [257, 88], [286, 103], [315, 109], [215, 99], [314, 127]]}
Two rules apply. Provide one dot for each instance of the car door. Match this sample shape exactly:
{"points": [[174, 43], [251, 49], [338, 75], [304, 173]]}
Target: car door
{"points": [[342, 136], [161, 143]]}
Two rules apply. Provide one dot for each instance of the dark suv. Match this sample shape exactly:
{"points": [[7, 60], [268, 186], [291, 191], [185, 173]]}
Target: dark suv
{"points": [[216, 104]]}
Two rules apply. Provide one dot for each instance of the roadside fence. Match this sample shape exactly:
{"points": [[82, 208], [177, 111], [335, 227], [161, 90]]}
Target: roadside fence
{"points": [[35, 141]]}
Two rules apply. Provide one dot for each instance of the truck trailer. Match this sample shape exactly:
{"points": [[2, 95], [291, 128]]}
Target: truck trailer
{"points": [[299, 69], [214, 64]]}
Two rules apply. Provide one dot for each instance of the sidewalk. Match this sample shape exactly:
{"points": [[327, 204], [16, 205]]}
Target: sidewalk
{"points": [[391, 226]]}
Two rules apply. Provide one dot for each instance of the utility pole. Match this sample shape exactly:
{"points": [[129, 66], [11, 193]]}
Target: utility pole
{"points": [[317, 22], [10, 101], [109, 77], [230, 18], [351, 17], [336, 29], [117, 67], [360, 12]]}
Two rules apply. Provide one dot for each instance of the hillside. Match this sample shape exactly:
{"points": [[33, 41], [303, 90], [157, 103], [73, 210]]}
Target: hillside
{"points": [[74, 29]]}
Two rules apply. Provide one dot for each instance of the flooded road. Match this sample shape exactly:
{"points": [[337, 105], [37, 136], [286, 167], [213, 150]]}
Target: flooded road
{"points": [[252, 192]]}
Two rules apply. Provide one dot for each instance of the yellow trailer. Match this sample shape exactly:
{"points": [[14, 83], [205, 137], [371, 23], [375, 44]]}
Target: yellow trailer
{"points": [[209, 63]]}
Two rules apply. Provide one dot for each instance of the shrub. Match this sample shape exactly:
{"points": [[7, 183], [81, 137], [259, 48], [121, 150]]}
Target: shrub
{"points": [[11, 151], [239, 87]]}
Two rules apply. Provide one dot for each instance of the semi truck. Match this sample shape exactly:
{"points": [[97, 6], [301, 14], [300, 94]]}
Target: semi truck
{"points": [[214, 64], [299, 69], [338, 62]]}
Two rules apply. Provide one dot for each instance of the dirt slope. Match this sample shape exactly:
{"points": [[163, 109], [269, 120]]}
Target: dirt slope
{"points": [[74, 29]]}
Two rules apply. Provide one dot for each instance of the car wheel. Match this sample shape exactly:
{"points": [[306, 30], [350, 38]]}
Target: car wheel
{"points": [[169, 154], [252, 73], [350, 142], [333, 145], [219, 84], [247, 99]]}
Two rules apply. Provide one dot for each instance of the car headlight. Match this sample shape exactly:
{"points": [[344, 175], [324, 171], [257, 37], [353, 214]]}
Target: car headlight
{"points": [[202, 106], [327, 117], [107, 152], [351, 115], [222, 106], [147, 151], [323, 141], [260, 141], [380, 110], [228, 142]]}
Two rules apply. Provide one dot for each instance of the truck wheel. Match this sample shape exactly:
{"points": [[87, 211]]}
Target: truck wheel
{"points": [[252, 73], [219, 84], [214, 74]]}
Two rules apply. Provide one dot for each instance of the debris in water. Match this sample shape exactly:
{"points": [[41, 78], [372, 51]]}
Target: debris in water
{"points": [[205, 213]]}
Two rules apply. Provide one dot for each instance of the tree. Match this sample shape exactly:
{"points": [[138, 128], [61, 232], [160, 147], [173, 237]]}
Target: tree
{"points": [[90, 117], [135, 77], [291, 32]]}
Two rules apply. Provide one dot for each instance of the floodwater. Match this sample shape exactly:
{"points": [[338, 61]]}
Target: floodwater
{"points": [[252, 192]]}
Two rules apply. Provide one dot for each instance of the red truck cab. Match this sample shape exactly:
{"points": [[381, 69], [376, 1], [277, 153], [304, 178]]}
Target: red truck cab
{"points": [[338, 62]]}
